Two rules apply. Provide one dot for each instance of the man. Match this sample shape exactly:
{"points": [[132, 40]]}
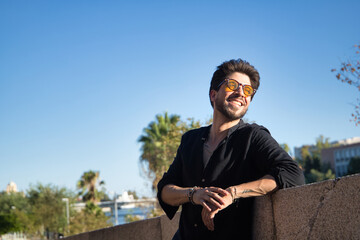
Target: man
{"points": [[219, 168]]}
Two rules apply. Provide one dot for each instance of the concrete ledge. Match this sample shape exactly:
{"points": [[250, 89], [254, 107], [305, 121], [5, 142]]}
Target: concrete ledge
{"points": [[154, 228], [169, 227], [264, 226], [325, 210]]}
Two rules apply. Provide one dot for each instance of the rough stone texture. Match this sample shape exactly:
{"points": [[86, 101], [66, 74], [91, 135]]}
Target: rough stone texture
{"points": [[338, 213], [81, 236], [295, 207], [105, 233], [169, 227], [141, 230], [326, 210], [263, 219]]}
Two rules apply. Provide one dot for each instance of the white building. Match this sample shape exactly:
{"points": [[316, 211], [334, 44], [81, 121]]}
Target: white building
{"points": [[11, 187]]}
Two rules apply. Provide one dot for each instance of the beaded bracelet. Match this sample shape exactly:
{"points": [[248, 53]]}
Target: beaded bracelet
{"points": [[191, 193]]}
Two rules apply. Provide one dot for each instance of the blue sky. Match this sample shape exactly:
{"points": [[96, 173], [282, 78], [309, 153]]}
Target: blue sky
{"points": [[79, 80]]}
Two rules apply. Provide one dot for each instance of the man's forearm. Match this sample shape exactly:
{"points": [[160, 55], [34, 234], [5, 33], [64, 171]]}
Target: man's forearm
{"points": [[256, 188], [174, 195]]}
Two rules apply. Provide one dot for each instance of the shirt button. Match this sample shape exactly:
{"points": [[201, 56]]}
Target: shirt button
{"points": [[203, 180], [195, 225]]}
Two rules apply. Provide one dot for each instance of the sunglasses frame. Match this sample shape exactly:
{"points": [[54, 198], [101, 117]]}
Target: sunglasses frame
{"points": [[240, 84]]}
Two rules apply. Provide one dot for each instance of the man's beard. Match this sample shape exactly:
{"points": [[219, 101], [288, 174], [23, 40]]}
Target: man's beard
{"points": [[230, 115]]}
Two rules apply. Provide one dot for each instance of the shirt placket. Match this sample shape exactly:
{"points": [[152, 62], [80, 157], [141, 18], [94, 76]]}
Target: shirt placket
{"points": [[206, 170]]}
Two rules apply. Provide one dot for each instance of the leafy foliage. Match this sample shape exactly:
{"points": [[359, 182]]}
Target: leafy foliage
{"points": [[317, 176], [354, 165], [88, 219], [130, 217], [349, 73], [88, 184], [160, 141], [314, 169], [155, 212], [11, 201], [47, 209], [286, 148], [321, 143], [42, 213], [9, 223]]}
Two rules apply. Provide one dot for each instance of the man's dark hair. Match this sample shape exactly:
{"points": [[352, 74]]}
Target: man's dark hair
{"points": [[231, 66]]}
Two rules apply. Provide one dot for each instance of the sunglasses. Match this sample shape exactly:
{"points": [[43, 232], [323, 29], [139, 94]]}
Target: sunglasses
{"points": [[233, 85]]}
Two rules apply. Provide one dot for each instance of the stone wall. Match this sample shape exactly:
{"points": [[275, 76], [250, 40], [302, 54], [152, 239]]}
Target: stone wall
{"points": [[325, 210], [154, 228]]}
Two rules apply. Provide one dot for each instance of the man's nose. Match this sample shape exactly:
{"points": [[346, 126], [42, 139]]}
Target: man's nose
{"points": [[240, 91]]}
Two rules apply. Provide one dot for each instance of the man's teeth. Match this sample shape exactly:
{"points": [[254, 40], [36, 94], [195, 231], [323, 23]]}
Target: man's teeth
{"points": [[239, 103]]}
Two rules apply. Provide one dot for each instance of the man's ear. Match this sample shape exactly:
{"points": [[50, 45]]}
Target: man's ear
{"points": [[213, 95]]}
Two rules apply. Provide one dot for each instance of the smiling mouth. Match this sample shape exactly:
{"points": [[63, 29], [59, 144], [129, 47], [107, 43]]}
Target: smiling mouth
{"points": [[236, 102]]}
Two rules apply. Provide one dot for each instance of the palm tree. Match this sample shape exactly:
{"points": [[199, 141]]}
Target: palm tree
{"points": [[159, 143], [87, 184]]}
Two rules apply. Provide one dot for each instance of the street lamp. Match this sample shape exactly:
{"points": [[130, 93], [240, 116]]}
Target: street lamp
{"points": [[115, 210], [66, 200]]}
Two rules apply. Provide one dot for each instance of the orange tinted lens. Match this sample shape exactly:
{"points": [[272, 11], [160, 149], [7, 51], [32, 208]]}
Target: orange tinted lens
{"points": [[231, 85], [248, 90]]}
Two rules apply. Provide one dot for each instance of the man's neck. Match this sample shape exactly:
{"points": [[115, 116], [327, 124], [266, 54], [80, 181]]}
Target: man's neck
{"points": [[220, 127]]}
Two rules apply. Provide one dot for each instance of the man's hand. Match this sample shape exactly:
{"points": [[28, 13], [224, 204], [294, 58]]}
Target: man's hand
{"points": [[210, 197], [208, 216]]}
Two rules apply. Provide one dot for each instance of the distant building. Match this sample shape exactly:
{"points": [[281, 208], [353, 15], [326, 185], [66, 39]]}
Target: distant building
{"points": [[339, 157], [125, 197], [11, 187]]}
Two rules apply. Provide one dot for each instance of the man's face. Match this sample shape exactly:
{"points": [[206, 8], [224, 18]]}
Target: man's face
{"points": [[232, 104]]}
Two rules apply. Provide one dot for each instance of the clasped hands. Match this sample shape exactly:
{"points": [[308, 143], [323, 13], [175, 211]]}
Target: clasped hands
{"points": [[213, 199]]}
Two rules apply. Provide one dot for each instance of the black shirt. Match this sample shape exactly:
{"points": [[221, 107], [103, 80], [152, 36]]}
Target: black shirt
{"points": [[246, 154]]}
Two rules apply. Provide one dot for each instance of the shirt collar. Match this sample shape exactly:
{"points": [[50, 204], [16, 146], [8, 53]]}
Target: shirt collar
{"points": [[236, 127], [205, 134]]}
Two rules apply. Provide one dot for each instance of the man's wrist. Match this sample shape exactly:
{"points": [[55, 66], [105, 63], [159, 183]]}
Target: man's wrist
{"points": [[190, 194], [232, 191]]}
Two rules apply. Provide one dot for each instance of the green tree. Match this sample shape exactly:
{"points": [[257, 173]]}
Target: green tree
{"points": [[314, 169], [349, 73], [88, 219], [47, 209], [15, 208], [312, 163], [305, 152], [160, 141], [131, 217], [317, 176], [88, 184], [9, 223], [354, 165], [13, 200], [321, 143], [286, 148]]}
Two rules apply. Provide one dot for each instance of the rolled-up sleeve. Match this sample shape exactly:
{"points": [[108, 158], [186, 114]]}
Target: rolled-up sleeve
{"points": [[273, 160], [172, 176]]}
